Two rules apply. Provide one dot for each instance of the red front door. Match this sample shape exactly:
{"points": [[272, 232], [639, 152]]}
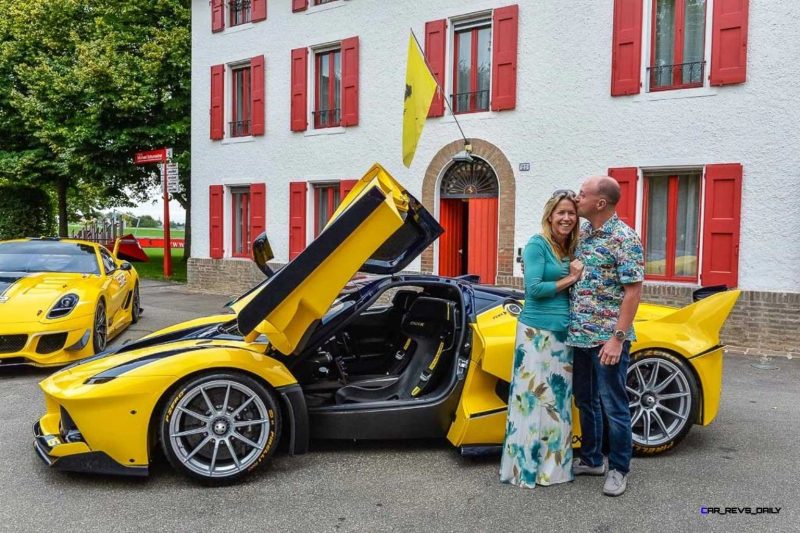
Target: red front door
{"points": [[482, 239], [469, 243]]}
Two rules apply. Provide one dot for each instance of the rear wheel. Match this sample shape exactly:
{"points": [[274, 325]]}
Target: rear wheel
{"points": [[663, 398], [136, 305], [220, 427], [100, 330]]}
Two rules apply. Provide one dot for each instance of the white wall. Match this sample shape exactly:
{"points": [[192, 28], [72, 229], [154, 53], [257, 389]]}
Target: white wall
{"points": [[566, 124]]}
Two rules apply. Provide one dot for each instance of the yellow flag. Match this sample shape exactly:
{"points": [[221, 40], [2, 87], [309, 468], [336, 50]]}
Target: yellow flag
{"points": [[420, 88]]}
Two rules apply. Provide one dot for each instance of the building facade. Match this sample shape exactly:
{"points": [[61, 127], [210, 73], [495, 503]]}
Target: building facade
{"points": [[687, 103]]}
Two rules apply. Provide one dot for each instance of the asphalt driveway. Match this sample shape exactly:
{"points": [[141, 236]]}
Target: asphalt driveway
{"points": [[746, 458]]}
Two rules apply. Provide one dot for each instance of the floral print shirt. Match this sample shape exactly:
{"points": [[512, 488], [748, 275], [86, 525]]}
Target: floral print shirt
{"points": [[612, 257]]}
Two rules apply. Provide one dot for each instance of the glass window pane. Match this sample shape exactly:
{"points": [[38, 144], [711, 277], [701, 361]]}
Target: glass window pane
{"points": [[664, 42], [322, 208], [656, 248], [337, 89], [464, 71], [238, 217], [484, 67], [687, 225], [324, 82], [693, 40]]}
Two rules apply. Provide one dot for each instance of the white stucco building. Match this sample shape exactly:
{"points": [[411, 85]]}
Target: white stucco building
{"points": [[688, 103]]}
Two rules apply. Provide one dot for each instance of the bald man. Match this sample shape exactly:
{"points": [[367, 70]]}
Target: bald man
{"points": [[602, 306]]}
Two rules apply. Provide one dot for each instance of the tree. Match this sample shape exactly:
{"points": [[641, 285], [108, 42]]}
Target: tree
{"points": [[84, 84]]}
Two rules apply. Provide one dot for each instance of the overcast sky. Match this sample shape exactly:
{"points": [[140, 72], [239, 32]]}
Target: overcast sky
{"points": [[155, 208]]}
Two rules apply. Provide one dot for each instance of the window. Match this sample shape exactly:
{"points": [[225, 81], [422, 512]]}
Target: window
{"points": [[320, 2], [240, 101], [672, 225], [239, 11], [240, 210], [328, 95], [472, 65], [326, 200], [677, 52], [109, 265]]}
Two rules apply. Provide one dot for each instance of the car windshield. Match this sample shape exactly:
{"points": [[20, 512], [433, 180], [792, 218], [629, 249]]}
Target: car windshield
{"points": [[48, 256]]}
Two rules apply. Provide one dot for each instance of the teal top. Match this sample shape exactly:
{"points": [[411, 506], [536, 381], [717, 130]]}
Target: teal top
{"points": [[544, 307]]}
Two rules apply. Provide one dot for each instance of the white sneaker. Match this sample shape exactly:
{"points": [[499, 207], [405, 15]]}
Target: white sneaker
{"points": [[616, 483], [579, 468]]}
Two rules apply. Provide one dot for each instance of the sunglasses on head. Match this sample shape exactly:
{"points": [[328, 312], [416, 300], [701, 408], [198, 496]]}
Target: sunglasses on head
{"points": [[564, 193]]}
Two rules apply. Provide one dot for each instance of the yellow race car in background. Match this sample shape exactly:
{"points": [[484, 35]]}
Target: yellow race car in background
{"points": [[62, 300], [313, 352]]}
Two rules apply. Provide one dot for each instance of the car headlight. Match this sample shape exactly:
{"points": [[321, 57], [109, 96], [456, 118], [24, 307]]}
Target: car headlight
{"points": [[63, 306]]}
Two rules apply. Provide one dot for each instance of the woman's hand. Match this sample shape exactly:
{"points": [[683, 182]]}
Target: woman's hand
{"points": [[575, 270]]}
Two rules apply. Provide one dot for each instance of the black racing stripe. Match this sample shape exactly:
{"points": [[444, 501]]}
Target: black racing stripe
{"points": [[7, 279], [277, 288], [118, 370], [489, 412], [712, 349]]}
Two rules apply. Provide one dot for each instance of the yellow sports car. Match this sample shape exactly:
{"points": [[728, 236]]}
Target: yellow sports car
{"points": [[62, 300], [312, 353]]}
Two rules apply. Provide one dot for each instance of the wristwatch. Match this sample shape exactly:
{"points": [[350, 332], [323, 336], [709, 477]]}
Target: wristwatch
{"points": [[619, 334]]}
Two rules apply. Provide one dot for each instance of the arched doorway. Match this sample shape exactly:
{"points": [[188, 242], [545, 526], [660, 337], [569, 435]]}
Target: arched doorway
{"points": [[468, 196]]}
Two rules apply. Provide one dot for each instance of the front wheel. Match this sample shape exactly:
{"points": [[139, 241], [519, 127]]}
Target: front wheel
{"points": [[220, 427], [664, 398]]}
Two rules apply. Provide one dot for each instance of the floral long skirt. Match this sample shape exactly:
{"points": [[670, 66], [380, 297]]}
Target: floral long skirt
{"points": [[538, 443]]}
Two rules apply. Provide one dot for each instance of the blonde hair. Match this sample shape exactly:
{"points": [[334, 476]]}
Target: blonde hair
{"points": [[547, 231]]}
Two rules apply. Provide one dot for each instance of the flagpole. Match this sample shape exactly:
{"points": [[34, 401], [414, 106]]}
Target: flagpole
{"points": [[441, 91]]}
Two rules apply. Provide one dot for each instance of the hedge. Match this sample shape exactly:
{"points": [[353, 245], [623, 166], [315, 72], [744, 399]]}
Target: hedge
{"points": [[25, 211]]}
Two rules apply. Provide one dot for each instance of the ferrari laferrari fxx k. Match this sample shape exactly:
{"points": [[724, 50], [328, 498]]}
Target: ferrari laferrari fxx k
{"points": [[314, 352]]}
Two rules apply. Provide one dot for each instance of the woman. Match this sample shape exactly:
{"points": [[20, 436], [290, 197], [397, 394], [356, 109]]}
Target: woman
{"points": [[538, 443]]}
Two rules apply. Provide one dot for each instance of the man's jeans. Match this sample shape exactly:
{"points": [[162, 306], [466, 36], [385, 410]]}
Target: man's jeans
{"points": [[593, 383]]}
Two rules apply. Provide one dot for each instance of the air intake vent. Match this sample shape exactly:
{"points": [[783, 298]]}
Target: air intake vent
{"points": [[12, 343], [51, 343]]}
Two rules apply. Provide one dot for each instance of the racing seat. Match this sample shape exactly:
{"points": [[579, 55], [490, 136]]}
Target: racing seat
{"points": [[402, 344], [428, 324]]}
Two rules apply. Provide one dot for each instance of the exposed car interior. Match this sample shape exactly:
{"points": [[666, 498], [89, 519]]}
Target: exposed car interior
{"points": [[399, 347]]}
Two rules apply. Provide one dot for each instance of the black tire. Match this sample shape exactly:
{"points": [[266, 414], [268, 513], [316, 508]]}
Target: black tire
{"points": [[210, 445], [136, 305], [667, 402], [100, 327]]}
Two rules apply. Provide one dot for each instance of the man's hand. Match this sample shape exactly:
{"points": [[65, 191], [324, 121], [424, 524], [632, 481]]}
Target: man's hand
{"points": [[610, 351]]}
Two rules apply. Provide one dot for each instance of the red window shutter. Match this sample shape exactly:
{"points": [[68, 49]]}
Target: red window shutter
{"points": [[721, 219], [217, 99], [350, 81], [345, 186], [215, 221], [627, 178], [258, 210], [626, 51], [257, 74], [259, 12], [505, 24], [729, 42], [217, 15], [435, 39], [299, 5], [297, 218], [299, 114]]}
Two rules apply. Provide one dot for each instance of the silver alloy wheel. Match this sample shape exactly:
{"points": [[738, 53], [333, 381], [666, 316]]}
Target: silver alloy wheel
{"points": [[100, 328], [660, 400], [219, 428], [135, 305]]}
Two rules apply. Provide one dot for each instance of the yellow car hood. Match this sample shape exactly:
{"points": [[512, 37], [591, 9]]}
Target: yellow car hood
{"points": [[25, 297]]}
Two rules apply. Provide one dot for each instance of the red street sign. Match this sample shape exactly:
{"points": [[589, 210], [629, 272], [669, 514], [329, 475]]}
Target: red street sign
{"points": [[150, 156]]}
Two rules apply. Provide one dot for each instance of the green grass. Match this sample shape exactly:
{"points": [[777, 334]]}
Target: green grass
{"points": [[154, 269], [154, 233]]}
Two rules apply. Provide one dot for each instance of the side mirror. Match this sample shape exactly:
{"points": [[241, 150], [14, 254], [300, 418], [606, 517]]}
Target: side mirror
{"points": [[262, 253], [125, 266]]}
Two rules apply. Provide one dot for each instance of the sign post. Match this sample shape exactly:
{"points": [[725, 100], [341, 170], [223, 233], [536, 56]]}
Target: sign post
{"points": [[161, 156]]}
